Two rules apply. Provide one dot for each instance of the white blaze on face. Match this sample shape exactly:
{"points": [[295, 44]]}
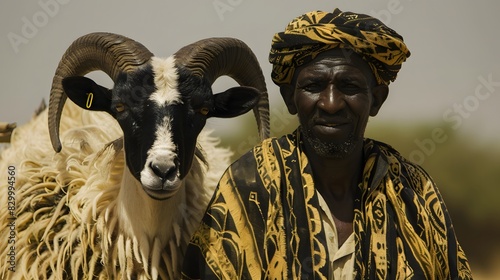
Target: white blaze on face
{"points": [[165, 78], [162, 152]]}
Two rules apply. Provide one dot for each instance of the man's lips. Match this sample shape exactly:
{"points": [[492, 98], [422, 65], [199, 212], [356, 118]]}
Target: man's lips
{"points": [[331, 127], [328, 128], [331, 123]]}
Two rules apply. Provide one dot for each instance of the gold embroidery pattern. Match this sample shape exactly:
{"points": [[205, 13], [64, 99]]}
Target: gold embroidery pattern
{"points": [[401, 226]]}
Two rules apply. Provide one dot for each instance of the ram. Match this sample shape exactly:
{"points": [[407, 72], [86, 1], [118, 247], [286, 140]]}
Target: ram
{"points": [[119, 192], [5, 131]]}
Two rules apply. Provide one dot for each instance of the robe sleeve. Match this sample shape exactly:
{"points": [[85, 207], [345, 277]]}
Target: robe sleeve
{"points": [[225, 244]]}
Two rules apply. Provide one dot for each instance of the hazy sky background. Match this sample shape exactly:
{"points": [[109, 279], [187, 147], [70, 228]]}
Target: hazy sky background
{"points": [[452, 76]]}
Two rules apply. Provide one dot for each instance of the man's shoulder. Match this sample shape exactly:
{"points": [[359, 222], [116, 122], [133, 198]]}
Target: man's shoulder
{"points": [[389, 151], [251, 155], [400, 167], [247, 169], [264, 150], [258, 166]]}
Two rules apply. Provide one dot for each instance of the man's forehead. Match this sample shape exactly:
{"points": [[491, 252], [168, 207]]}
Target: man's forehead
{"points": [[347, 56], [344, 56]]}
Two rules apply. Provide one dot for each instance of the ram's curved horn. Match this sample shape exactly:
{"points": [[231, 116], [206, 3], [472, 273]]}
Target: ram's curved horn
{"points": [[110, 53], [215, 57]]}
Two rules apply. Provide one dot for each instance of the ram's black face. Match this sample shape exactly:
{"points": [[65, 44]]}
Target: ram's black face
{"points": [[161, 109]]}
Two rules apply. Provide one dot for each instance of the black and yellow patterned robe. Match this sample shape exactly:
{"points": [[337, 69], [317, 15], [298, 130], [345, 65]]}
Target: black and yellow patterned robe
{"points": [[264, 221]]}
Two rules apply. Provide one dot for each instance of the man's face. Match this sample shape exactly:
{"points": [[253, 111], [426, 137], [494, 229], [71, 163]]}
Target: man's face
{"points": [[333, 96]]}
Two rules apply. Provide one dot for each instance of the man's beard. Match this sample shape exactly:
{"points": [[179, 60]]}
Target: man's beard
{"points": [[329, 149]]}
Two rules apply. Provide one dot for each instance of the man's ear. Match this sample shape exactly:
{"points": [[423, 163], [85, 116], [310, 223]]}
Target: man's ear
{"points": [[87, 94], [379, 93], [234, 102], [287, 93]]}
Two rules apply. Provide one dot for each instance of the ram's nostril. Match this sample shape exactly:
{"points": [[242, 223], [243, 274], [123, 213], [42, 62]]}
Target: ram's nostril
{"points": [[164, 171]]}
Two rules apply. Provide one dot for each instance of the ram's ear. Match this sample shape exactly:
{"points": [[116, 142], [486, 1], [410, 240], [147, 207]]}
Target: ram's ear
{"points": [[85, 93], [234, 102]]}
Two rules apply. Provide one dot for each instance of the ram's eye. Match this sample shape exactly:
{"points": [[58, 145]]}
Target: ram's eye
{"points": [[120, 107], [204, 111]]}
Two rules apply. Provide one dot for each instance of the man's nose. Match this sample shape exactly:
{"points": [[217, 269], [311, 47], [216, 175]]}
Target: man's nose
{"points": [[331, 100]]}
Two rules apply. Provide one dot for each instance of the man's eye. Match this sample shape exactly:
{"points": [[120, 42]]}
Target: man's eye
{"points": [[350, 86], [313, 87], [348, 82]]}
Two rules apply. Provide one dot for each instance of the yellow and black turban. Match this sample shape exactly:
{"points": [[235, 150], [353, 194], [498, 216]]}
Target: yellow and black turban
{"points": [[315, 32]]}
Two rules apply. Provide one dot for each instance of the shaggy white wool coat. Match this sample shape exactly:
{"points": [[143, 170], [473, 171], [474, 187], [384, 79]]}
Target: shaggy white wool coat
{"points": [[80, 214]]}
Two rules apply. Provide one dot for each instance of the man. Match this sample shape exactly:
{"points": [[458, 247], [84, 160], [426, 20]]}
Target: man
{"points": [[324, 202]]}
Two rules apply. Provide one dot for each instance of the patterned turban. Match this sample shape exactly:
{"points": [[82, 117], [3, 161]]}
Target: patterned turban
{"points": [[315, 32]]}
